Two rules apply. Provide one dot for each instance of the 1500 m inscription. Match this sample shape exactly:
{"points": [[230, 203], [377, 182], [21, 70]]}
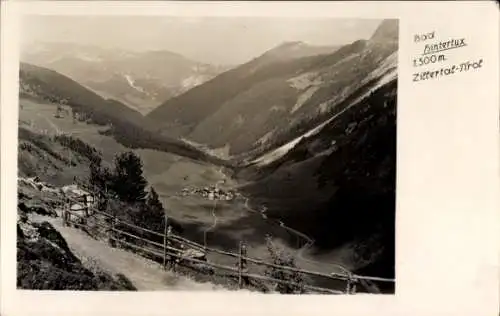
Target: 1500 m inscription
{"points": [[426, 60]]}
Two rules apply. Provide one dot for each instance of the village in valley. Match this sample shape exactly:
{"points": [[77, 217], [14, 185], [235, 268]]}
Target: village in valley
{"points": [[212, 193]]}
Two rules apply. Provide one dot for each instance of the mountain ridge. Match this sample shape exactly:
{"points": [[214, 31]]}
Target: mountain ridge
{"points": [[256, 104]]}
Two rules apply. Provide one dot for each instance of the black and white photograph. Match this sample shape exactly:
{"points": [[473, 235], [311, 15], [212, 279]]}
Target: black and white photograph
{"points": [[181, 153]]}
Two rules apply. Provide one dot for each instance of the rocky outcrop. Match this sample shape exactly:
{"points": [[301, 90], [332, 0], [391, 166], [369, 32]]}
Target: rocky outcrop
{"points": [[45, 261]]}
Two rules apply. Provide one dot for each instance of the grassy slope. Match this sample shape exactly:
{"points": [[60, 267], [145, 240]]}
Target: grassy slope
{"points": [[39, 156], [52, 86]]}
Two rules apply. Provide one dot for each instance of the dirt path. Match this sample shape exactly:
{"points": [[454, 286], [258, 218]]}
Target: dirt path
{"points": [[146, 275]]}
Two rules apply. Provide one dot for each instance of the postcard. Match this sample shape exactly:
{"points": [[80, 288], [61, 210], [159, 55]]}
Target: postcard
{"points": [[254, 158]]}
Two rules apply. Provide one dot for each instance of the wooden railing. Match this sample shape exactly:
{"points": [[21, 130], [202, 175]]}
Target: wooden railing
{"points": [[171, 255]]}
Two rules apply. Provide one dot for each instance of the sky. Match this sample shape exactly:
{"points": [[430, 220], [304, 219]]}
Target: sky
{"points": [[216, 40]]}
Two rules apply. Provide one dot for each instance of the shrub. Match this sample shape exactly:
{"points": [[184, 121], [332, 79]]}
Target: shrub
{"points": [[282, 258], [79, 146], [128, 181]]}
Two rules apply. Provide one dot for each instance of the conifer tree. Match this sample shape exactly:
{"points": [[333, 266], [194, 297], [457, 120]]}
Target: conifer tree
{"points": [[128, 181], [153, 201], [282, 258]]}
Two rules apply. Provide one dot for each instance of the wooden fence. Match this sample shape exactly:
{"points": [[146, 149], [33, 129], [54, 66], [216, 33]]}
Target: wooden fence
{"points": [[171, 255]]}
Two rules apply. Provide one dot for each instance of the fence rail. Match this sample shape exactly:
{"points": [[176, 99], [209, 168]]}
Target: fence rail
{"points": [[164, 250]]}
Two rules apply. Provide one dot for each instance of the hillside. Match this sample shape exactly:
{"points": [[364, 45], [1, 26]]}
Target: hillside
{"points": [[49, 158], [140, 80], [182, 114], [127, 126], [44, 259], [268, 101], [334, 179], [51, 256], [48, 85], [46, 263]]}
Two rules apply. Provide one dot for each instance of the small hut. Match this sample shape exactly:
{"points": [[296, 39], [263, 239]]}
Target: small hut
{"points": [[80, 199]]}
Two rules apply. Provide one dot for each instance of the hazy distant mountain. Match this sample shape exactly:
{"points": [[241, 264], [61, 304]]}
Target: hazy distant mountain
{"points": [[141, 80], [272, 99]]}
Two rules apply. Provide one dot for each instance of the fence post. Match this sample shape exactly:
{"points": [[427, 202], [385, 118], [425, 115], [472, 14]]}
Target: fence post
{"points": [[111, 232], [169, 232], [353, 288], [351, 284], [86, 203], [240, 265], [67, 213], [173, 260], [85, 210], [165, 232], [63, 214], [348, 287], [93, 204]]}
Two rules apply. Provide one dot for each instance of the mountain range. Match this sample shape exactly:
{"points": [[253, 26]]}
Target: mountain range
{"points": [[141, 80], [279, 95]]}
